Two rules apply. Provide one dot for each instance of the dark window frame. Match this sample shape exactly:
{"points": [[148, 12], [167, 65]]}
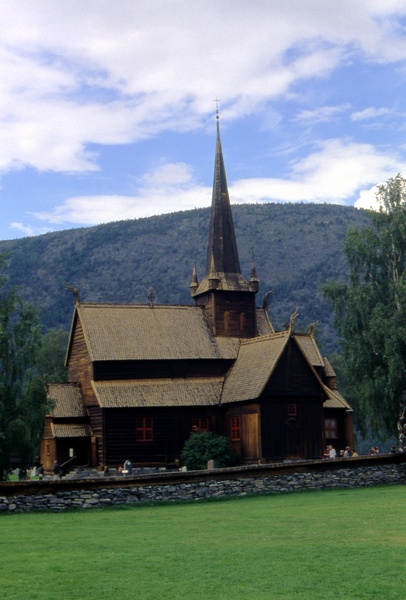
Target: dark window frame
{"points": [[331, 428], [201, 424], [235, 429], [144, 429]]}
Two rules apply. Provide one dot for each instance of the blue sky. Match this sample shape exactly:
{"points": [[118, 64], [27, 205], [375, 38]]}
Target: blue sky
{"points": [[108, 112]]}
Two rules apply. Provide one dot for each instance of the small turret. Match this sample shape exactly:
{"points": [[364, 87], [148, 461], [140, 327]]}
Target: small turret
{"points": [[194, 283], [213, 277], [254, 281]]}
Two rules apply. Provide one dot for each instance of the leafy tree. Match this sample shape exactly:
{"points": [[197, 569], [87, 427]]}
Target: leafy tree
{"points": [[370, 314], [51, 356], [205, 445], [22, 387]]}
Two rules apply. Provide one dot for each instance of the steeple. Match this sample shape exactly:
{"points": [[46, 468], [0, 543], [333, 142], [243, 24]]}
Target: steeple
{"points": [[222, 242], [222, 253], [228, 298]]}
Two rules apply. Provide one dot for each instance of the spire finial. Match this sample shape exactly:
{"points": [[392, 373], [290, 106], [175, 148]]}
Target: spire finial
{"points": [[217, 101]]}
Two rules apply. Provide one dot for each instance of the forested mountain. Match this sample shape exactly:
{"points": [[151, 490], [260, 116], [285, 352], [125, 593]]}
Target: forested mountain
{"points": [[296, 247]]}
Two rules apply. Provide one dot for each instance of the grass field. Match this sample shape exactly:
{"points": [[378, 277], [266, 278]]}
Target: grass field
{"points": [[344, 544]]}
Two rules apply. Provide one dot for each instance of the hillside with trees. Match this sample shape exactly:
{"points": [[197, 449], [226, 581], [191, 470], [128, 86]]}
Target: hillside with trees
{"points": [[296, 247]]}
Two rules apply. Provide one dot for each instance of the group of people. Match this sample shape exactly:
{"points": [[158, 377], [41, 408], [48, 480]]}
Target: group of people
{"points": [[331, 453]]}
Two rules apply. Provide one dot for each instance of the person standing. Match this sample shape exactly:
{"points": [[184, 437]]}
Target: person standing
{"points": [[57, 470], [332, 452]]}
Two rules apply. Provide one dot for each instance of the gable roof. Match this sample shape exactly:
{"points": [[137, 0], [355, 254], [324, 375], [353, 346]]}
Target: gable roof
{"points": [[70, 430], [68, 400], [335, 400], [255, 363], [328, 369], [139, 332], [159, 392], [308, 346]]}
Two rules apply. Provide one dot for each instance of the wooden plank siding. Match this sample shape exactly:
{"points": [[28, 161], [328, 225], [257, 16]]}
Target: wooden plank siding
{"points": [[286, 436], [293, 376], [144, 369], [344, 429], [228, 317], [171, 428], [248, 447], [80, 365], [292, 409]]}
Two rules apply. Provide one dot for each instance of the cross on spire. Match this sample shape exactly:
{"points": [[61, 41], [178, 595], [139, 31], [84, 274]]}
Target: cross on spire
{"points": [[217, 101]]}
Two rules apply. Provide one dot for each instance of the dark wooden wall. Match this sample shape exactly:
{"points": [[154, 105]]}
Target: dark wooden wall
{"points": [[230, 314], [144, 369], [171, 428]]}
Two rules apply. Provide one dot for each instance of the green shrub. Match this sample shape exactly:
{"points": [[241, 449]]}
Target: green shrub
{"points": [[204, 446]]}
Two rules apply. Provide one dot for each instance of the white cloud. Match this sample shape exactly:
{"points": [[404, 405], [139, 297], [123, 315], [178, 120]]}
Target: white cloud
{"points": [[368, 199], [369, 113], [333, 173], [76, 72], [322, 114], [25, 229], [169, 188], [336, 171]]}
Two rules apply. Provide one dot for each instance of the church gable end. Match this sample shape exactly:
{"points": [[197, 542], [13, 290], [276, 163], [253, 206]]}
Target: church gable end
{"points": [[294, 376]]}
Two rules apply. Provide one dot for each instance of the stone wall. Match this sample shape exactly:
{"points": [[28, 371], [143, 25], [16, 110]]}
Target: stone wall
{"points": [[220, 485]]}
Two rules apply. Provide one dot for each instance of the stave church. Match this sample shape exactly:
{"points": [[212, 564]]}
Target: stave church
{"points": [[142, 377]]}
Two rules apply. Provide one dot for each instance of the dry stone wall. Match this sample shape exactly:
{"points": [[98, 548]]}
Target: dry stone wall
{"points": [[207, 489]]}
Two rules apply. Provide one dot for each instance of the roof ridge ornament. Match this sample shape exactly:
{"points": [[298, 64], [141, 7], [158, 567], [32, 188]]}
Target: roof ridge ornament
{"points": [[292, 320], [151, 297], [74, 291]]}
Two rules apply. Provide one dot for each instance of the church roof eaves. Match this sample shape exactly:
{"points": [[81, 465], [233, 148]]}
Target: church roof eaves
{"points": [[144, 393], [70, 430]]}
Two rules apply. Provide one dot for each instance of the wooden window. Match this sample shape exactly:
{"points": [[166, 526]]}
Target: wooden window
{"points": [[330, 429], [200, 424], [243, 320], [144, 429], [292, 412], [235, 429]]}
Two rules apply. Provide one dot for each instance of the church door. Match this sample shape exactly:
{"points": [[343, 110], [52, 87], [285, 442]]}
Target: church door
{"points": [[250, 436], [292, 439]]}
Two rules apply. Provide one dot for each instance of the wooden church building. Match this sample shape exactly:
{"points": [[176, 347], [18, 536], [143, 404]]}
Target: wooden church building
{"points": [[143, 377]]}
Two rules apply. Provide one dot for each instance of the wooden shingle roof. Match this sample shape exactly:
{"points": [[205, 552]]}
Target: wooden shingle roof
{"points": [[70, 430], [68, 400], [139, 332], [335, 399], [254, 365], [308, 346], [158, 392], [328, 369], [264, 325]]}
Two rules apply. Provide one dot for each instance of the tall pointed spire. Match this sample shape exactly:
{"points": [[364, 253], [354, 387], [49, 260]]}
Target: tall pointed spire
{"points": [[227, 298], [222, 253], [222, 243]]}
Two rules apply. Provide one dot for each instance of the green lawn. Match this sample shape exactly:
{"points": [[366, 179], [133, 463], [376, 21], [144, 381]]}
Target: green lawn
{"points": [[344, 544]]}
